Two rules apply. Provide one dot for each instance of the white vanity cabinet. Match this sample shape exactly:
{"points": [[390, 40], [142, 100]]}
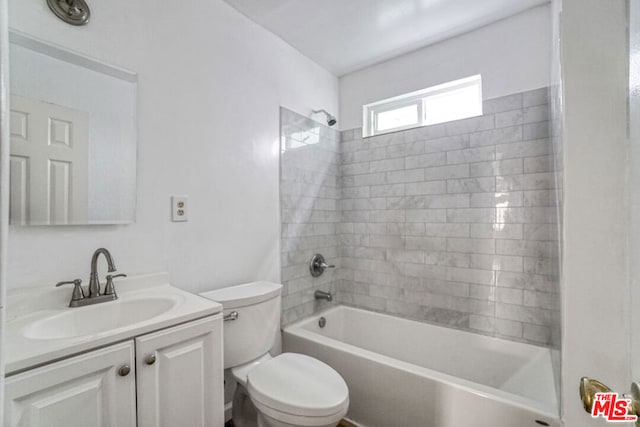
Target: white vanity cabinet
{"points": [[180, 376], [174, 375], [93, 389]]}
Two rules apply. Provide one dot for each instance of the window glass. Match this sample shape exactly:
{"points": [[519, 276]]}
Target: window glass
{"points": [[398, 117], [452, 105], [453, 100]]}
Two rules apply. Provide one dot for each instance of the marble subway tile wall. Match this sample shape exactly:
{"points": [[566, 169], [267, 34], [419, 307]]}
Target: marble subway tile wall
{"points": [[455, 223], [555, 129], [309, 203]]}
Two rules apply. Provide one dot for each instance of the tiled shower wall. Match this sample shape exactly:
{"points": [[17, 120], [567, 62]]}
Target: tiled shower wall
{"points": [[309, 196], [555, 128], [455, 223]]}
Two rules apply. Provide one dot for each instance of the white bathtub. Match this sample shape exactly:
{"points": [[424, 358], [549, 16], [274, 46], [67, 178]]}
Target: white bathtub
{"points": [[411, 374]]}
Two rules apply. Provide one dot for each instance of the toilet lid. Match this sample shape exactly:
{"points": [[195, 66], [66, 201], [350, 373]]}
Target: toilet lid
{"points": [[298, 384]]}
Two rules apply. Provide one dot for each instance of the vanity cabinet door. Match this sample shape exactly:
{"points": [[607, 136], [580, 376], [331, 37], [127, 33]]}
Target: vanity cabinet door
{"points": [[90, 390], [180, 375]]}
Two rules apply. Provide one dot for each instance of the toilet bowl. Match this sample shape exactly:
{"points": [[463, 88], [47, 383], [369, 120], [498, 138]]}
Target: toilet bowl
{"points": [[285, 390], [294, 390]]}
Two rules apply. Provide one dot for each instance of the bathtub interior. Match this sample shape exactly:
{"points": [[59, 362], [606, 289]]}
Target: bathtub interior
{"points": [[521, 369]]}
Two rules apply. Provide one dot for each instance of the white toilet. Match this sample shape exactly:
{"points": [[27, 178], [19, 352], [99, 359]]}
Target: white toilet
{"points": [[288, 390]]}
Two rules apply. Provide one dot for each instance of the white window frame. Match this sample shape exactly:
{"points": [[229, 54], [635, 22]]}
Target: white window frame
{"points": [[371, 111], [375, 110]]}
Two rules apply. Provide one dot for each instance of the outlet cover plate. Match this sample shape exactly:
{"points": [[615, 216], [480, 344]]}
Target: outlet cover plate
{"points": [[179, 208]]}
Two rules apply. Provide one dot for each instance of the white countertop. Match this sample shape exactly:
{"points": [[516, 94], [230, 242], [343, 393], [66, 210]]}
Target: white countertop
{"points": [[29, 306]]}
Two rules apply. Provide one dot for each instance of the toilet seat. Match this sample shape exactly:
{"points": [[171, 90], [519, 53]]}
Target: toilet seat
{"points": [[296, 387], [300, 420]]}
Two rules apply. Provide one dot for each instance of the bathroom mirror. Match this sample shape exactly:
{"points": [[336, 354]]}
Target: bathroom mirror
{"points": [[73, 137]]}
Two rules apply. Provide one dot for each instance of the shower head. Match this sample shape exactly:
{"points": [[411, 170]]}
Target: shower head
{"points": [[331, 119]]}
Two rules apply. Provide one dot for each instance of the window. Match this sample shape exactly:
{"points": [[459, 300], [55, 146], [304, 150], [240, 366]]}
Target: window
{"points": [[454, 100]]}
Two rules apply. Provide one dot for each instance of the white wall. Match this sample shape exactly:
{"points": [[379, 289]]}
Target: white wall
{"points": [[4, 184], [596, 224], [210, 86], [510, 64], [634, 181]]}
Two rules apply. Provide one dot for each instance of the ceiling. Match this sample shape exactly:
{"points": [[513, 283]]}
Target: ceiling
{"points": [[347, 35]]}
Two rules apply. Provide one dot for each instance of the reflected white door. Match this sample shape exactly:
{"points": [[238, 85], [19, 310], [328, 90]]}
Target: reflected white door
{"points": [[49, 163]]}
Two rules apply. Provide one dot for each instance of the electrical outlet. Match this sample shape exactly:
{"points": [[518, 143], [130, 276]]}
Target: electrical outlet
{"points": [[179, 208]]}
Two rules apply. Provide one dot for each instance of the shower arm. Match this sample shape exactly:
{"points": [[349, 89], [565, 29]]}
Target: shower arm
{"points": [[331, 119]]}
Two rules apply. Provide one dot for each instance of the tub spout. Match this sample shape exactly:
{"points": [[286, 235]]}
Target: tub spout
{"points": [[323, 295]]}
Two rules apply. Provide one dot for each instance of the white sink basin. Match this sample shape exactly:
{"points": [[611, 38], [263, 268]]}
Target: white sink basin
{"points": [[94, 319], [40, 326]]}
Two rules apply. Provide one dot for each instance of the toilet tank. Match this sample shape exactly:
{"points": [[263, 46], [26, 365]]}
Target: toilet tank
{"points": [[254, 331]]}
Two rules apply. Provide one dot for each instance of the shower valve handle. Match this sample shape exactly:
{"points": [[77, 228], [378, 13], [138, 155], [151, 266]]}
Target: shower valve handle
{"points": [[324, 265], [317, 265]]}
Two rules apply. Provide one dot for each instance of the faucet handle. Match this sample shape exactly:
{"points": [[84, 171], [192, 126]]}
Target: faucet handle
{"points": [[109, 289], [317, 265], [325, 265], [78, 293]]}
